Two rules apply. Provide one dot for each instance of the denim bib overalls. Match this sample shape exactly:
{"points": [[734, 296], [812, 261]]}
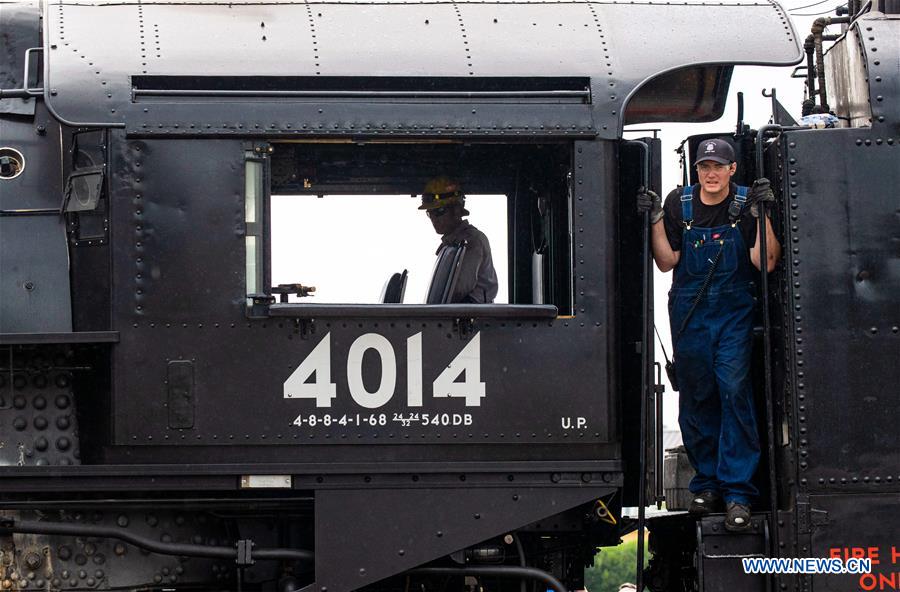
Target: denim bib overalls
{"points": [[712, 356]]}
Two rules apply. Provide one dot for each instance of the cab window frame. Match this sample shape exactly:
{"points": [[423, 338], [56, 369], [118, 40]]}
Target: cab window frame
{"points": [[521, 194]]}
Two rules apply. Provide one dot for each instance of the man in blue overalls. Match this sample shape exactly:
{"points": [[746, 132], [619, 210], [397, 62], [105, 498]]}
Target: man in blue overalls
{"points": [[705, 237]]}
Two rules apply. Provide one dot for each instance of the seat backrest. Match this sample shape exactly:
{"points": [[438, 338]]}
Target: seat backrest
{"points": [[394, 289], [446, 270]]}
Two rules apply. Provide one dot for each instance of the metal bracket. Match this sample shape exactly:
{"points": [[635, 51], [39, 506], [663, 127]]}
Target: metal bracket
{"points": [[464, 327], [803, 516], [263, 149], [285, 290], [258, 307], [305, 327], [244, 553], [809, 518], [818, 518]]}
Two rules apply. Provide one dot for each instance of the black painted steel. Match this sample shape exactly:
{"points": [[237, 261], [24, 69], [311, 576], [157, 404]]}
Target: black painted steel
{"points": [[524, 573], [646, 359], [414, 527], [415, 311], [75, 337], [842, 307], [10, 525], [853, 525], [720, 552], [767, 351], [167, 383], [34, 287]]}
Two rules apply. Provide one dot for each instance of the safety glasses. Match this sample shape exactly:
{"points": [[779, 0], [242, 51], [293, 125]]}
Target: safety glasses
{"points": [[712, 167]]}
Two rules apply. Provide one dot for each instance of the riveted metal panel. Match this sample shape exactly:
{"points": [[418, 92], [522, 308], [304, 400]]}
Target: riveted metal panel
{"points": [[415, 527], [529, 39], [178, 219], [179, 271], [841, 257], [856, 525], [37, 408], [879, 37]]}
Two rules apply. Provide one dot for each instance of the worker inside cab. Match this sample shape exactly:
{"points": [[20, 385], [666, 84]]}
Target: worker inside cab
{"points": [[445, 205]]}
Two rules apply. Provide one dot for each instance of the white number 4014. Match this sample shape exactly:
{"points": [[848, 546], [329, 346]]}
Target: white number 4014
{"points": [[312, 378]]}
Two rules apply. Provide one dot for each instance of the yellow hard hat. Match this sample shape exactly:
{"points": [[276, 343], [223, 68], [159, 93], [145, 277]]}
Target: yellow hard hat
{"points": [[440, 192]]}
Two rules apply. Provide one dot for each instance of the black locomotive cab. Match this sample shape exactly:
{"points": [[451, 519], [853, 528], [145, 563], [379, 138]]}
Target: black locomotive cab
{"points": [[228, 355]]}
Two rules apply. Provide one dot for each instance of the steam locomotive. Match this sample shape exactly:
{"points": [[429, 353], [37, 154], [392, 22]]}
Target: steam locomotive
{"points": [[177, 412]]}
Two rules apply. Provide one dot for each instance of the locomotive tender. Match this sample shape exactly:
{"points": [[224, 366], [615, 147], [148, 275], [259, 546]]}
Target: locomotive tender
{"points": [[169, 419]]}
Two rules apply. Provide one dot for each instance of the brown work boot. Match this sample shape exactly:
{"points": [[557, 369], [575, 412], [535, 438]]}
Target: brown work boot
{"points": [[706, 502], [737, 517]]}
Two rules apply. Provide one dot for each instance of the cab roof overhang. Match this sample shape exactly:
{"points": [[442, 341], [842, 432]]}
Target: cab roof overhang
{"points": [[402, 68]]}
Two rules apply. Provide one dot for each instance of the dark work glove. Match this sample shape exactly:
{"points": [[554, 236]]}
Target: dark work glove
{"points": [[761, 191], [648, 201]]}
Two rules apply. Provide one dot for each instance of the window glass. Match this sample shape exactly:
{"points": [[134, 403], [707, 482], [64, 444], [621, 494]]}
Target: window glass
{"points": [[348, 246], [253, 203]]}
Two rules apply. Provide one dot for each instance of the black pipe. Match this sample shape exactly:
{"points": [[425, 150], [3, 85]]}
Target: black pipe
{"points": [[66, 529], [767, 364], [500, 571], [818, 27], [520, 549], [809, 47], [645, 363]]}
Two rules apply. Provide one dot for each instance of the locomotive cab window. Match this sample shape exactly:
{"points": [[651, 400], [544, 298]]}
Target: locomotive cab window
{"points": [[409, 224]]}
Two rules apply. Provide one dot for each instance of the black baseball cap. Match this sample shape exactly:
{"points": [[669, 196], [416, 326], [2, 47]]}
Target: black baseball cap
{"points": [[715, 150]]}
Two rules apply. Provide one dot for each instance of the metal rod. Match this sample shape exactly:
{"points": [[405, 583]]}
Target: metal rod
{"points": [[14, 93], [501, 571], [362, 94], [26, 92], [31, 212], [658, 460], [645, 363], [66, 529], [767, 363], [34, 92]]}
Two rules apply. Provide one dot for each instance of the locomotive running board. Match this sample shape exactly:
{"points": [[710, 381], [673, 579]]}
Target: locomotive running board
{"points": [[377, 533]]}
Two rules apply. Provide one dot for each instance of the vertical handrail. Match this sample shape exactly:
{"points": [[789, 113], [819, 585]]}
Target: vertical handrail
{"points": [[658, 391], [645, 363], [767, 363]]}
